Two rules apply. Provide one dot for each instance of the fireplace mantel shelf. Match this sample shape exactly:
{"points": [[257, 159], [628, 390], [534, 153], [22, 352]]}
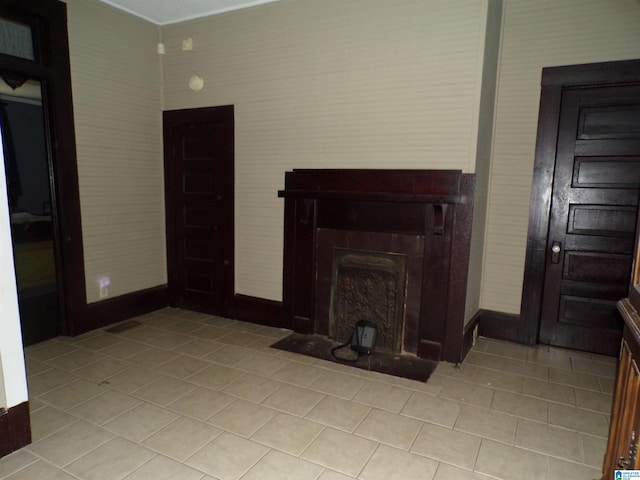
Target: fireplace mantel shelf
{"points": [[372, 196]]}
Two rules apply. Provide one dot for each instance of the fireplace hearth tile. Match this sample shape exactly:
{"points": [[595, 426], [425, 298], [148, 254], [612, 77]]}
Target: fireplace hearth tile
{"points": [[399, 365]]}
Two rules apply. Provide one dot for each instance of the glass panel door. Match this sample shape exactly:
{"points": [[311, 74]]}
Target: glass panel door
{"points": [[27, 169]]}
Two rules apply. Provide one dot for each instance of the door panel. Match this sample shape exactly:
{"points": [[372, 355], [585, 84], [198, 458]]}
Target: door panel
{"points": [[594, 204], [199, 178]]}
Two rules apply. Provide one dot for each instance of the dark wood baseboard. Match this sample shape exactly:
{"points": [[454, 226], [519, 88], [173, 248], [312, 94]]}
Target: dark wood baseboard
{"points": [[501, 326], [15, 428], [114, 310], [257, 310]]}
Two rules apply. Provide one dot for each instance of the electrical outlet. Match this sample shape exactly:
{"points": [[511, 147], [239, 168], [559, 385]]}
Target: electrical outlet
{"points": [[104, 291]]}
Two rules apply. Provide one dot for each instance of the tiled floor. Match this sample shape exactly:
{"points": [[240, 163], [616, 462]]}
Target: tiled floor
{"points": [[189, 396]]}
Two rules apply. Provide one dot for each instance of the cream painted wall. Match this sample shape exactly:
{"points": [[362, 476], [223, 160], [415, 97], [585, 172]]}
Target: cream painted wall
{"points": [[537, 34], [13, 379], [331, 84], [117, 101]]}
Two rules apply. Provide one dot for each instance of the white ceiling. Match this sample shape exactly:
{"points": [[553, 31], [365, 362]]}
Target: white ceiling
{"points": [[162, 12]]}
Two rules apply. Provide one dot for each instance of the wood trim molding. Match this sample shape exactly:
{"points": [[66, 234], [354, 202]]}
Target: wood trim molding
{"points": [[15, 428], [113, 310], [256, 310], [501, 326]]}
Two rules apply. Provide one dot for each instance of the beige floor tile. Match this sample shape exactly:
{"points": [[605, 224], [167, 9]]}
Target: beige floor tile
{"points": [[101, 370], [216, 376], [47, 420], [276, 465], [182, 438], [338, 413], [465, 392], [338, 384], [550, 391], [198, 347], [70, 443], [508, 350], [554, 441], [331, 475], [228, 355], [105, 407], [141, 333], [115, 459], [141, 422], [599, 402], [584, 421], [201, 403], [47, 350], [509, 463], [392, 464], [132, 379], [238, 339], [124, 349], [168, 340], [594, 450], [294, 400], [74, 359], [433, 386], [164, 390], [389, 428], [520, 406], [497, 379], [485, 360], [242, 418], [183, 326], [209, 332], [49, 380], [446, 445], [565, 470], [432, 409], [163, 468], [99, 342], [153, 357], [252, 387], [288, 433], [183, 366], [40, 470], [227, 457], [449, 472], [340, 451], [16, 461], [35, 367], [525, 369], [72, 394], [602, 369], [261, 364], [383, 396], [574, 379], [487, 424], [299, 374], [551, 357]]}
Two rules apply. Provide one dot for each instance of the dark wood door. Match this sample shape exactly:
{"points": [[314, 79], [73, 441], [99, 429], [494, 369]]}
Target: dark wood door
{"points": [[594, 204], [199, 193]]}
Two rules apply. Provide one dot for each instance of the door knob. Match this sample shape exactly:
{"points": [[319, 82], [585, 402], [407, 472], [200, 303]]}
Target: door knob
{"points": [[556, 248]]}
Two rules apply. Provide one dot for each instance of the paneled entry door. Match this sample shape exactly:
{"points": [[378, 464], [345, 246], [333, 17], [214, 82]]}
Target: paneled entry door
{"points": [[594, 201], [199, 180]]}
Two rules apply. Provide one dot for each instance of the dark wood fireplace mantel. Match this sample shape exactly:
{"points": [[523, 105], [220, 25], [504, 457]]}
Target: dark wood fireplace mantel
{"points": [[435, 206]]}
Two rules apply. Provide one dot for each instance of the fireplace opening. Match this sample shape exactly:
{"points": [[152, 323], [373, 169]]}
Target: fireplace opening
{"points": [[368, 286]]}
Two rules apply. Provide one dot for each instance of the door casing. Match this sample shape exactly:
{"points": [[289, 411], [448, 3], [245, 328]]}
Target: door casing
{"points": [[554, 79]]}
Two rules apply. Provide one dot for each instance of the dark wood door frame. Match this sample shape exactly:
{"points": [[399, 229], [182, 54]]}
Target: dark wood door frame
{"points": [[554, 79], [48, 20], [174, 119]]}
